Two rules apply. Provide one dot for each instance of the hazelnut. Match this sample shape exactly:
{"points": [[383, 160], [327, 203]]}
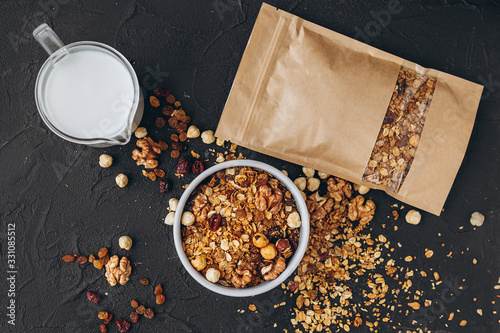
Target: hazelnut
{"points": [[208, 137], [477, 219], [284, 172], [169, 219], [121, 180], [413, 217], [105, 160], [193, 132], [309, 172], [363, 189], [260, 240], [313, 184], [212, 275], [322, 175], [293, 220], [125, 242], [172, 204], [199, 263], [303, 195], [301, 183], [283, 245], [268, 252], [140, 132], [187, 219]]}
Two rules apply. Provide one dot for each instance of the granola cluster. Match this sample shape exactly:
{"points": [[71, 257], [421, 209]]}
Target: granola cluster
{"points": [[400, 133], [246, 227]]}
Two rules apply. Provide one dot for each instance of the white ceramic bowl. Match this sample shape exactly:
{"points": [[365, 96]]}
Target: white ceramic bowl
{"points": [[293, 262]]}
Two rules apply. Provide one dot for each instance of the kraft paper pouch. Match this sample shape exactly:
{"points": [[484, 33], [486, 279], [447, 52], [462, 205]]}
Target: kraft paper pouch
{"points": [[308, 95]]}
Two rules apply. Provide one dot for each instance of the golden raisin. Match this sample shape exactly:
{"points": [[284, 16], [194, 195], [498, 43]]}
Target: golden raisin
{"points": [[102, 315], [149, 313], [186, 119], [69, 258], [144, 281], [134, 303], [160, 299], [97, 264], [183, 136], [160, 122], [91, 258], [174, 137], [163, 145], [180, 114], [103, 328], [105, 259], [102, 252], [159, 172], [174, 153], [154, 101], [170, 99], [134, 317], [158, 289], [181, 127], [81, 260], [140, 309], [172, 122]]}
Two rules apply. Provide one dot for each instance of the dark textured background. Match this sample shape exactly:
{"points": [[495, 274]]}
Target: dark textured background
{"points": [[62, 202]]}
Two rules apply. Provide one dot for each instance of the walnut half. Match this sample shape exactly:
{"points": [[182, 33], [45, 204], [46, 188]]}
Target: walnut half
{"points": [[118, 271]]}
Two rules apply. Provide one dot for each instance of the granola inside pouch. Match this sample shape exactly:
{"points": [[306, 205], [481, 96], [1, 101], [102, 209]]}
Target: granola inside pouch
{"points": [[316, 98]]}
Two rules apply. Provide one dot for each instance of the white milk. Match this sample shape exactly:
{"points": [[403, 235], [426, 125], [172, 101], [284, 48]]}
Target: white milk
{"points": [[89, 94]]}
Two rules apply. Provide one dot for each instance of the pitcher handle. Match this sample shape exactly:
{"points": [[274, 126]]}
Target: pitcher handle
{"points": [[47, 38]]}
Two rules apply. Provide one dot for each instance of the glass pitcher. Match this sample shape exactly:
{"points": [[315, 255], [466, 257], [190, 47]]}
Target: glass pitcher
{"points": [[87, 92]]}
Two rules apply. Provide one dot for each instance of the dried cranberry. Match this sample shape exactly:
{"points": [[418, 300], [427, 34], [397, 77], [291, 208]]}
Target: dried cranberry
{"points": [[198, 167], [164, 186], [93, 297], [183, 166], [214, 222], [160, 91], [293, 285], [122, 325], [178, 146]]}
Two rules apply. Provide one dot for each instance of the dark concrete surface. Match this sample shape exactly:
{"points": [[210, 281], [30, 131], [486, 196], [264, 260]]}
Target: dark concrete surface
{"points": [[62, 202]]}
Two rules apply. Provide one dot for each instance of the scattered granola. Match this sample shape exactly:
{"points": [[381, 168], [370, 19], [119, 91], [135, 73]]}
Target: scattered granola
{"points": [[240, 224]]}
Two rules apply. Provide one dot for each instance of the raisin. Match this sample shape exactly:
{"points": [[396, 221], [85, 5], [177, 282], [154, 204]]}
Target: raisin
{"points": [[93, 297], [198, 167], [174, 137], [183, 166], [102, 315], [174, 153], [103, 328], [82, 260], [158, 289], [183, 136], [172, 122], [160, 122], [105, 259], [163, 145], [180, 114], [134, 304], [160, 299], [69, 258], [164, 186], [102, 252], [144, 281], [214, 222], [140, 309], [134, 317], [181, 127], [149, 313], [122, 325], [186, 119], [160, 91], [167, 110], [178, 146], [274, 234], [109, 319]]}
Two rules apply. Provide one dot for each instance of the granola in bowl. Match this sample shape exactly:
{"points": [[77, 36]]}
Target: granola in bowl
{"points": [[250, 228]]}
